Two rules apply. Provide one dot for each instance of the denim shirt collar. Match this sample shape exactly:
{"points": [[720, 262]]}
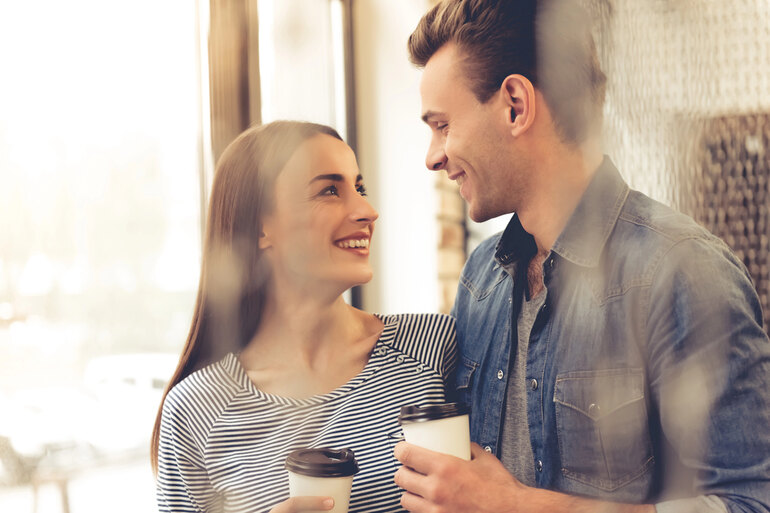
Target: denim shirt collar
{"points": [[515, 245], [583, 238]]}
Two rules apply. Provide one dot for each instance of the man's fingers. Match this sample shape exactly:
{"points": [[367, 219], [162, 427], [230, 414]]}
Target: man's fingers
{"points": [[417, 458], [411, 481], [414, 503], [301, 504], [476, 451]]}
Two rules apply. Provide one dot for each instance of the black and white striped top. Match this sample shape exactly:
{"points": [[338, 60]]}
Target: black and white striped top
{"points": [[223, 442]]}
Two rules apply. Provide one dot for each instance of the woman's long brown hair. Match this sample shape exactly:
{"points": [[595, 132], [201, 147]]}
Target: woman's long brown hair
{"points": [[235, 279]]}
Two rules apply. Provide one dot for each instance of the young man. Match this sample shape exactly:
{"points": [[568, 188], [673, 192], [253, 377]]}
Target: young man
{"points": [[612, 350]]}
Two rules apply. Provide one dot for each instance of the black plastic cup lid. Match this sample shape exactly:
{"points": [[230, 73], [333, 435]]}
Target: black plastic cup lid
{"points": [[322, 462], [425, 413]]}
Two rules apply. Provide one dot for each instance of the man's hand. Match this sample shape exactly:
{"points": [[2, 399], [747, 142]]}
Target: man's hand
{"points": [[437, 483]]}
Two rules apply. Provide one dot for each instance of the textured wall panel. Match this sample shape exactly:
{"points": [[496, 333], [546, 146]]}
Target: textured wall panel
{"points": [[687, 116]]}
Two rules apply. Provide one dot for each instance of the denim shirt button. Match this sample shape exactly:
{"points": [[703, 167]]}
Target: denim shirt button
{"points": [[594, 409], [487, 448], [550, 263], [539, 466], [533, 384], [500, 374]]}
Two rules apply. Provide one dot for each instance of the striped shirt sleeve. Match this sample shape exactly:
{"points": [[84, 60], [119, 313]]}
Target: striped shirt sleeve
{"points": [[430, 339], [183, 483]]}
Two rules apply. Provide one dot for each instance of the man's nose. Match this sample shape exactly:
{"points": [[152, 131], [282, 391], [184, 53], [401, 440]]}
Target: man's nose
{"points": [[436, 159]]}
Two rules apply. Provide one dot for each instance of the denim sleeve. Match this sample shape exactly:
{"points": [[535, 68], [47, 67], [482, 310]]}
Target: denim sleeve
{"points": [[449, 356], [709, 375], [460, 314], [702, 504]]}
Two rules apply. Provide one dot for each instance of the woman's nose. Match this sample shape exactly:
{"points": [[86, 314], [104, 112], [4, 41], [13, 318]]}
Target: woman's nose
{"points": [[363, 211]]}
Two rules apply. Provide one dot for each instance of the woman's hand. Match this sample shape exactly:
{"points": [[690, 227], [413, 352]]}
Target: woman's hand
{"points": [[301, 504]]}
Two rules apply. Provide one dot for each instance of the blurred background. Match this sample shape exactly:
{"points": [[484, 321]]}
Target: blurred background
{"points": [[113, 114]]}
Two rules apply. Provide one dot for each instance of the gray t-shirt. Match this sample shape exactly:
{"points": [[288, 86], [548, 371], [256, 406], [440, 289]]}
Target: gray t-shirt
{"points": [[515, 445]]}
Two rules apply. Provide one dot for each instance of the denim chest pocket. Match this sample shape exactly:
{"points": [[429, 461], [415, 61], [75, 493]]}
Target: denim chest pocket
{"points": [[602, 427]]}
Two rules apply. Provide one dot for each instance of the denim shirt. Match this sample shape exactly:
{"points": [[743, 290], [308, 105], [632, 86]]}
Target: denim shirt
{"points": [[648, 371]]}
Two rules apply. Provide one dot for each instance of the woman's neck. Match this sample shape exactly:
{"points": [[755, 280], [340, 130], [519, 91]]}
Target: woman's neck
{"points": [[305, 329], [306, 346]]}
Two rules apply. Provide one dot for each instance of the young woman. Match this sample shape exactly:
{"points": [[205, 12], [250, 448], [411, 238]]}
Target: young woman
{"points": [[275, 359]]}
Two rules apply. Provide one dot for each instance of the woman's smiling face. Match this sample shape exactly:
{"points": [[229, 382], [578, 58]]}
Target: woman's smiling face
{"points": [[321, 224]]}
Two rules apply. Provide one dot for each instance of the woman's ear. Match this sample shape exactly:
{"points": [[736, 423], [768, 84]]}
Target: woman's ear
{"points": [[264, 239], [519, 96], [264, 242]]}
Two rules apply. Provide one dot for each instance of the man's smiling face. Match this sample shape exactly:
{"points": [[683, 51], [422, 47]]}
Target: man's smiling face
{"points": [[470, 139]]}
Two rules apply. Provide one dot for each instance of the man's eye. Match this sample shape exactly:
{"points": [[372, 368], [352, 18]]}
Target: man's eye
{"points": [[361, 190], [330, 191], [442, 127]]}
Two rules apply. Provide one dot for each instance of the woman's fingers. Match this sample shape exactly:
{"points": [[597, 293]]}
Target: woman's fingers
{"points": [[301, 504]]}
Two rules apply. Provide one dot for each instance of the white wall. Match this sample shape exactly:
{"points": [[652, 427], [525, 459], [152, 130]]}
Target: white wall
{"points": [[392, 142]]}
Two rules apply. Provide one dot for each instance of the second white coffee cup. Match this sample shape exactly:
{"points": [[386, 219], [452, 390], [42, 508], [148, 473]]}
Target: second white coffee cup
{"points": [[442, 428]]}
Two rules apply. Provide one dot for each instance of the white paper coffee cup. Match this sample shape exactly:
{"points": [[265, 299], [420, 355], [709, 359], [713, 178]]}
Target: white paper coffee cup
{"points": [[322, 472], [442, 428]]}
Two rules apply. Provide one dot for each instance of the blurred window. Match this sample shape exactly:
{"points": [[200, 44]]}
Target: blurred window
{"points": [[104, 110], [100, 172]]}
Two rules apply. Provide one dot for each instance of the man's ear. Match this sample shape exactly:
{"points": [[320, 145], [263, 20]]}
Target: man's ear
{"points": [[519, 95]]}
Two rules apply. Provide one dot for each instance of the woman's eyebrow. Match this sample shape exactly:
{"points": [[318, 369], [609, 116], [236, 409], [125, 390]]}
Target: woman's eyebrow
{"points": [[334, 177]]}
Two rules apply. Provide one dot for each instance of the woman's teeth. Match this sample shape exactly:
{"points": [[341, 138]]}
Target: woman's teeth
{"points": [[361, 243]]}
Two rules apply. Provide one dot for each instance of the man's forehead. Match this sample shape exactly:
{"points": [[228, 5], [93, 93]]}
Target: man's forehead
{"points": [[443, 65], [442, 81]]}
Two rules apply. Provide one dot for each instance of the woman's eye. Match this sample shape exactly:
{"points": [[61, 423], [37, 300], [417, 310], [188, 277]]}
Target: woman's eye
{"points": [[330, 191], [361, 190]]}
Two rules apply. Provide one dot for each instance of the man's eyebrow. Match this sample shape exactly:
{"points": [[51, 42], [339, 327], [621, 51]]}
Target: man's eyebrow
{"points": [[429, 114], [334, 177]]}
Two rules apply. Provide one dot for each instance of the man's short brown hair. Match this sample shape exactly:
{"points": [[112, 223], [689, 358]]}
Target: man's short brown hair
{"points": [[547, 41]]}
